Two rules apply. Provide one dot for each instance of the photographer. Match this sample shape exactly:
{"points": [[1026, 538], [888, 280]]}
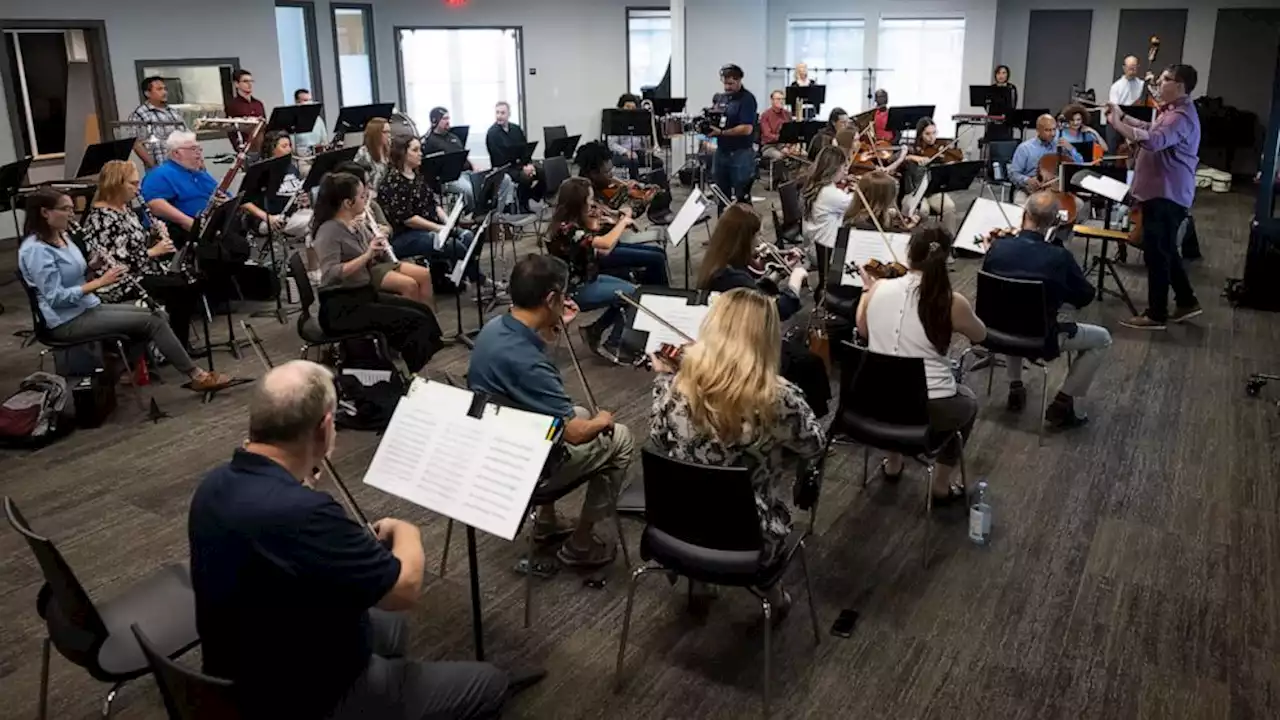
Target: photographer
{"points": [[735, 161]]}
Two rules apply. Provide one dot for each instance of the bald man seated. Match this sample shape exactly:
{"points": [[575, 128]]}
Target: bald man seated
{"points": [[1028, 256], [294, 600], [1023, 171]]}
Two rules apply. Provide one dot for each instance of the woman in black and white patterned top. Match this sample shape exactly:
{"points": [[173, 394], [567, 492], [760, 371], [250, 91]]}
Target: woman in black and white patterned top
{"points": [[726, 405], [112, 227]]}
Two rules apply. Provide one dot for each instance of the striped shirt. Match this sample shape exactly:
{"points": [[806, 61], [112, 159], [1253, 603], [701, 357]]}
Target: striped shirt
{"points": [[160, 122]]}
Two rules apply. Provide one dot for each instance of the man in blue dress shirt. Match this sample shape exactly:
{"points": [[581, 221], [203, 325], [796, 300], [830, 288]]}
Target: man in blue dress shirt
{"points": [[1023, 171]]}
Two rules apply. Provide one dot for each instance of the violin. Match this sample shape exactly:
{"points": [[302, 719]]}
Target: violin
{"points": [[949, 152], [772, 267], [620, 192], [882, 270], [996, 235]]}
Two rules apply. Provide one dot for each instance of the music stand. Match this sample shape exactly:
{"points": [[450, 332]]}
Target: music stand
{"points": [[668, 106], [626, 123], [1023, 119], [811, 95], [462, 132], [446, 167], [952, 178], [263, 180], [799, 131], [562, 147], [1084, 147], [325, 162], [991, 96], [1139, 112], [1111, 192], [519, 158], [294, 119], [11, 178], [352, 119], [903, 119], [218, 224], [99, 154], [863, 120]]}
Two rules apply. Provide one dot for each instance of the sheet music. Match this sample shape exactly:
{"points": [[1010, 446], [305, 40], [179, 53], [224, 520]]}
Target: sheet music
{"points": [[522, 420], [867, 245], [912, 203], [1107, 187], [984, 216], [368, 377], [448, 225], [689, 213], [481, 472], [460, 267], [675, 310]]}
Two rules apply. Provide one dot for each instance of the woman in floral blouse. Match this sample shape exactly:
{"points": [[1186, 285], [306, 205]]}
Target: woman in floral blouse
{"points": [[726, 405], [112, 227]]}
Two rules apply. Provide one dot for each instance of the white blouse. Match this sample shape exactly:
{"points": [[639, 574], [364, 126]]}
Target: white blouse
{"points": [[822, 224], [893, 323]]}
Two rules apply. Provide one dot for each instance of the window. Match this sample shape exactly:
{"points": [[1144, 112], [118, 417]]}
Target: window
{"points": [[296, 38], [353, 43], [924, 58], [465, 70], [648, 47], [38, 73], [830, 44]]}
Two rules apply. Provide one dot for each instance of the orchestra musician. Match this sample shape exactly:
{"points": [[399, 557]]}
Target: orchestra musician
{"points": [[375, 151], [922, 153], [269, 211], [1024, 169], [882, 130], [178, 190], [416, 219], [725, 267], [301, 607], [726, 404], [510, 360], [441, 140], [578, 237], [1002, 130], [825, 203], [354, 266], [506, 139], [632, 151], [802, 78], [734, 164], [1125, 91], [1028, 256], [242, 104], [881, 193], [55, 268], [113, 228], [306, 141], [1164, 184], [643, 249], [915, 316], [154, 109], [1077, 130], [771, 122], [405, 279], [837, 120]]}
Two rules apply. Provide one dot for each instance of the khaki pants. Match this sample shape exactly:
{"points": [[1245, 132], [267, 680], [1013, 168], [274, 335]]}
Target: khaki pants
{"points": [[604, 460]]}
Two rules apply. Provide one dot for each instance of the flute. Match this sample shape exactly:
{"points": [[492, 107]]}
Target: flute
{"points": [[376, 232]]}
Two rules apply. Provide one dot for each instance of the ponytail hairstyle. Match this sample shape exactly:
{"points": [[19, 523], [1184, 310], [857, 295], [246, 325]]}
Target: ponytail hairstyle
{"points": [[335, 189], [831, 161], [927, 252]]}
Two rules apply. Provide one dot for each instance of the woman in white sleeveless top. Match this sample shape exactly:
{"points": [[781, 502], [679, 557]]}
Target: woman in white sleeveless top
{"points": [[915, 316]]}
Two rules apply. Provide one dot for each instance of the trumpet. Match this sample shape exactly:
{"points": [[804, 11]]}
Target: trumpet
{"points": [[375, 231]]}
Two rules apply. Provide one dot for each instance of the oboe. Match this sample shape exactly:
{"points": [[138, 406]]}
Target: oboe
{"points": [[96, 252]]}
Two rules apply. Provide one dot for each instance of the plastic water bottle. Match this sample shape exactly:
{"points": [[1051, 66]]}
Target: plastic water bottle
{"points": [[980, 516]]}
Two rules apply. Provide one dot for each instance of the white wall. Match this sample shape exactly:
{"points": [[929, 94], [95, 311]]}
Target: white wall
{"points": [[1197, 48], [719, 32], [979, 37]]}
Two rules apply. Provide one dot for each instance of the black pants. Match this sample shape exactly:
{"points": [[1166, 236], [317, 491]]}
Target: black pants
{"points": [[809, 374], [181, 300], [1161, 219], [410, 327]]}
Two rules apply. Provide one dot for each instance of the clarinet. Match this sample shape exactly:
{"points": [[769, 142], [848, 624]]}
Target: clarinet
{"points": [[96, 252]]}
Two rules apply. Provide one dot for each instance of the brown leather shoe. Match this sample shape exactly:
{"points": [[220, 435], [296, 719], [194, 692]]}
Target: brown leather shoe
{"points": [[210, 382]]}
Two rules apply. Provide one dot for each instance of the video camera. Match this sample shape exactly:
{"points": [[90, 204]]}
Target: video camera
{"points": [[708, 119]]}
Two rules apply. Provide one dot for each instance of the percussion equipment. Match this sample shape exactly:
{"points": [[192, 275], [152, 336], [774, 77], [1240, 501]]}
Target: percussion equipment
{"points": [[401, 125]]}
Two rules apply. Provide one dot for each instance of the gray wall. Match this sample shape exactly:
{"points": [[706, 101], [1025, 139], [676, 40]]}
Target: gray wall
{"points": [[1134, 36], [1244, 56], [1057, 57]]}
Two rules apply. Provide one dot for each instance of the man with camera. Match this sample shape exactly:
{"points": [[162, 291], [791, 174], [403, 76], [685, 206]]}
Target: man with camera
{"points": [[734, 165]]}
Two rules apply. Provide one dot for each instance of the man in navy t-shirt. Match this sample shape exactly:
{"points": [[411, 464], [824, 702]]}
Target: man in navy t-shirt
{"points": [[292, 595], [735, 158]]}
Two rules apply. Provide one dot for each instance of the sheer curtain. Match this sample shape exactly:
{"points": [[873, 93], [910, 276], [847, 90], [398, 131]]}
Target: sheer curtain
{"points": [[925, 57], [830, 44], [649, 42], [465, 70]]}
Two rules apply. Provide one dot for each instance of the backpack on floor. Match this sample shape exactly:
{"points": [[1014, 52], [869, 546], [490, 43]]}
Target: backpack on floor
{"points": [[33, 416]]}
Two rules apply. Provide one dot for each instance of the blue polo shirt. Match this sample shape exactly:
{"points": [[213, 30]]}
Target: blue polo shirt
{"points": [[283, 582], [510, 360], [739, 109], [187, 190]]}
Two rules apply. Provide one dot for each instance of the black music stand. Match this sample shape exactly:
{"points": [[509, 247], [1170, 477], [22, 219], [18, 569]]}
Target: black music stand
{"points": [[989, 97], [324, 163], [219, 223], [863, 120], [517, 158], [952, 178], [11, 178], [668, 106], [99, 154], [295, 119], [462, 132], [446, 167], [904, 119], [626, 123], [808, 96], [801, 132], [563, 147], [1072, 174], [1085, 148], [1024, 119], [352, 119], [263, 180]]}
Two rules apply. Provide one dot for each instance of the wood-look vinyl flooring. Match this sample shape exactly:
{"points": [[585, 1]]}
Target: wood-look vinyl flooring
{"points": [[1133, 569]]}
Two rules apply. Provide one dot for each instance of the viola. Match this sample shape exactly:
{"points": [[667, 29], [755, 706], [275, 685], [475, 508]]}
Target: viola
{"points": [[949, 152]]}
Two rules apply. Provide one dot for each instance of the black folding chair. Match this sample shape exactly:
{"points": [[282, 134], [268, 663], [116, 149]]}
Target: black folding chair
{"points": [[187, 694], [884, 404], [309, 327], [1019, 324], [702, 524], [999, 157], [96, 636], [789, 228]]}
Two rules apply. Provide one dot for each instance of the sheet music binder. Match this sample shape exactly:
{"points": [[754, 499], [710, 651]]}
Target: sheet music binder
{"points": [[456, 453]]}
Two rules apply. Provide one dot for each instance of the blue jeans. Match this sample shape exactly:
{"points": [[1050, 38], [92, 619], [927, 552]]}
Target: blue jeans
{"points": [[734, 170], [602, 292], [651, 259], [422, 243]]}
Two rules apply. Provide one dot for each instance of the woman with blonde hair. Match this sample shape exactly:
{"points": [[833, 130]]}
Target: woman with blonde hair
{"points": [[727, 405], [375, 153], [114, 234]]}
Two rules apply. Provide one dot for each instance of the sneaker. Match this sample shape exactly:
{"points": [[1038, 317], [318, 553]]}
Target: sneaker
{"points": [[598, 554], [1017, 398], [1180, 315], [1144, 322], [1061, 416]]}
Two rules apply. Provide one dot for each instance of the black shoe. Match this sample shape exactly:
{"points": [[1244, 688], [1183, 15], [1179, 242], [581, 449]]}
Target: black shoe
{"points": [[520, 680], [891, 478], [1017, 397], [1063, 416]]}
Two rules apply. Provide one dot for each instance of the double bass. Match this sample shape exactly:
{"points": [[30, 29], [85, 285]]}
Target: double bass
{"points": [[1048, 173]]}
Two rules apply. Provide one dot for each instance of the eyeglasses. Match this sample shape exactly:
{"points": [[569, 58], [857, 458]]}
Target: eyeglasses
{"points": [[192, 148], [65, 208]]}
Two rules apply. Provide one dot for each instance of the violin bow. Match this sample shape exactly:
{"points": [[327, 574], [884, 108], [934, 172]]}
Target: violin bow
{"points": [[623, 296], [875, 220], [869, 131]]}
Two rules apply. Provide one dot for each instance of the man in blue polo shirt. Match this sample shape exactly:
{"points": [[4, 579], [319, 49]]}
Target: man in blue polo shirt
{"points": [[178, 190], [510, 360], [735, 159], [292, 596]]}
